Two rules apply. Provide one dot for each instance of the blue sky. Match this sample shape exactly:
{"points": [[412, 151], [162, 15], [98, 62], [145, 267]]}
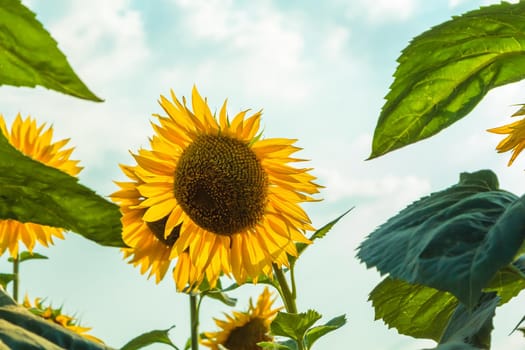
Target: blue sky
{"points": [[319, 70]]}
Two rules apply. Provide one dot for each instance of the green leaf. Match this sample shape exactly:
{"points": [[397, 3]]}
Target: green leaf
{"points": [[20, 329], [455, 345], [472, 326], [5, 278], [444, 73], [315, 333], [454, 240], [414, 310], [286, 345], [320, 233], [28, 256], [219, 295], [149, 338], [294, 326], [509, 281], [29, 56], [33, 192]]}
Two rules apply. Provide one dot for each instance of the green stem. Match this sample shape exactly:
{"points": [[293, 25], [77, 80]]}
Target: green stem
{"points": [[16, 273], [194, 319], [292, 278], [288, 296]]}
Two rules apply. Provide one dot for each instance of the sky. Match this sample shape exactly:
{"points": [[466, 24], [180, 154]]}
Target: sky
{"points": [[319, 70]]}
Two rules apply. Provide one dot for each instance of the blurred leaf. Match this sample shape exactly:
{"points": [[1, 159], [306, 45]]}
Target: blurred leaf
{"points": [[5, 278], [472, 326], [28, 256], [454, 240], [149, 338], [414, 310], [286, 345], [519, 323], [29, 56], [33, 192], [220, 296], [294, 326], [444, 72], [509, 281], [315, 333], [455, 345], [20, 329]]}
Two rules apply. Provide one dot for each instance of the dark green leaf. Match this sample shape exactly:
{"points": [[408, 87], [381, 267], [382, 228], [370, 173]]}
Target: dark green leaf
{"points": [[149, 338], [20, 329], [447, 70], [455, 345], [315, 333], [29, 56], [28, 256], [519, 323], [508, 282], [472, 326], [294, 326], [454, 240], [33, 192], [414, 310], [286, 345], [5, 278]]}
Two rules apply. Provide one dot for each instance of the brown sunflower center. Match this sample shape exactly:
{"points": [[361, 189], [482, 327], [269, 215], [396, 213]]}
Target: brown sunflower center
{"points": [[157, 228], [247, 336], [220, 184]]}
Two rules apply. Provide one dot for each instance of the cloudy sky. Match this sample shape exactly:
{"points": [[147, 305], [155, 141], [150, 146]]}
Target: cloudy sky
{"points": [[319, 70]]}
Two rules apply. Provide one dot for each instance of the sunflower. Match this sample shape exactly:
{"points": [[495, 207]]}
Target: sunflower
{"points": [[56, 316], [214, 196], [514, 141], [35, 142], [243, 330]]}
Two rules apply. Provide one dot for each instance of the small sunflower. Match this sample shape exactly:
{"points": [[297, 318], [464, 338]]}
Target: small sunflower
{"points": [[214, 195], [243, 330], [35, 142], [56, 316]]}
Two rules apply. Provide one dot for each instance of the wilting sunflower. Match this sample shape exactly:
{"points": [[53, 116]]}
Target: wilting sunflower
{"points": [[214, 195], [56, 316], [243, 330], [514, 141], [35, 142]]}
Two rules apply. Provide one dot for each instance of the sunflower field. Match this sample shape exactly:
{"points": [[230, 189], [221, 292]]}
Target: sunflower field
{"points": [[214, 203]]}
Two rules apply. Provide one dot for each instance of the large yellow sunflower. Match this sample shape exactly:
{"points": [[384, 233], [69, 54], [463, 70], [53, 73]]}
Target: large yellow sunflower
{"points": [[243, 330], [56, 316], [35, 142], [214, 195], [515, 139]]}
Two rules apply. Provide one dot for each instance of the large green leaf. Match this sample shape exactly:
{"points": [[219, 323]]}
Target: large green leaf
{"points": [[454, 240], [509, 281], [446, 71], [472, 326], [33, 192], [29, 56], [414, 310], [314, 333], [20, 329]]}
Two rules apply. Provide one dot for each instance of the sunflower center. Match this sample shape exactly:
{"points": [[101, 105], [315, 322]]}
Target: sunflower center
{"points": [[247, 336], [157, 228], [220, 184]]}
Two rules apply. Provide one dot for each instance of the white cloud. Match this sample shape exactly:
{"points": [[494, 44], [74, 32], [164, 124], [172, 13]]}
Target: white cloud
{"points": [[263, 48], [104, 40], [381, 11]]}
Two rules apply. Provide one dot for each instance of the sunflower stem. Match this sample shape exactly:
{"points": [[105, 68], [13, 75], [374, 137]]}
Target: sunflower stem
{"points": [[194, 319], [16, 268], [288, 297]]}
